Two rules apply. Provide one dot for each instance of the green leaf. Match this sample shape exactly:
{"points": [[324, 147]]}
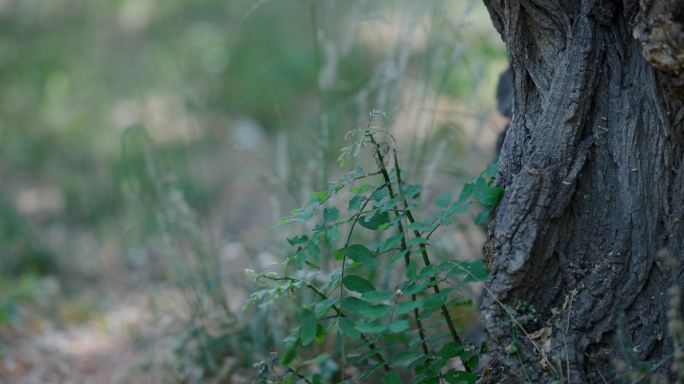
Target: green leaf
{"points": [[321, 333], [430, 380], [347, 327], [357, 284], [434, 269], [361, 188], [420, 226], [444, 199], [460, 303], [355, 203], [299, 258], [332, 233], [308, 326], [331, 214], [360, 254], [435, 301], [408, 306], [415, 287], [290, 353], [375, 296], [375, 311], [491, 196], [313, 251], [375, 221], [466, 192], [322, 307], [483, 215], [289, 378], [392, 378], [390, 242], [417, 241], [412, 191], [492, 169], [474, 271], [473, 362], [406, 358], [451, 350], [339, 254], [298, 240], [372, 328], [487, 195], [457, 208], [411, 269], [460, 377], [399, 326], [353, 305], [319, 196], [399, 255], [318, 360]]}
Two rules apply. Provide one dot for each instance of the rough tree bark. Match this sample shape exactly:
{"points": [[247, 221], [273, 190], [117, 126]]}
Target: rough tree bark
{"points": [[594, 174]]}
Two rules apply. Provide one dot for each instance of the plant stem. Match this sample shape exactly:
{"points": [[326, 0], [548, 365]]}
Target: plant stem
{"points": [[404, 247], [414, 297], [423, 251]]}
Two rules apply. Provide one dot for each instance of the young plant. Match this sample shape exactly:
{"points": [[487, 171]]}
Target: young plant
{"points": [[375, 295]]}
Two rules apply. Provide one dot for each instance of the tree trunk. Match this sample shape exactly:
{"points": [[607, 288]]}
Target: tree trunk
{"points": [[594, 177]]}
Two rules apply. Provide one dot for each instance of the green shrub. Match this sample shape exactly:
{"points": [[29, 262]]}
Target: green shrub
{"points": [[371, 303]]}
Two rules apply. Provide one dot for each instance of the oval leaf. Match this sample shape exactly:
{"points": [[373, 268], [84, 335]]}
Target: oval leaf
{"points": [[375, 221], [346, 326], [308, 326], [357, 284], [360, 254], [374, 296]]}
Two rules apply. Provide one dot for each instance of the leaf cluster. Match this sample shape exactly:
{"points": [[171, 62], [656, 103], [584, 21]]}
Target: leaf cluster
{"points": [[365, 284]]}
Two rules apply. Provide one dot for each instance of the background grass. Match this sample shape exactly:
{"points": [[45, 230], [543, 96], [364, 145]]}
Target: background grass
{"points": [[146, 145]]}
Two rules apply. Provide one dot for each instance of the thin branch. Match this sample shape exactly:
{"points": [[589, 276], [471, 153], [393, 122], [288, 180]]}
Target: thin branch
{"points": [[423, 249], [426, 260]]}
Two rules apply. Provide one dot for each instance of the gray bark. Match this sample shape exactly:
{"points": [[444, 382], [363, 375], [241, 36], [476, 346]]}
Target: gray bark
{"points": [[594, 178]]}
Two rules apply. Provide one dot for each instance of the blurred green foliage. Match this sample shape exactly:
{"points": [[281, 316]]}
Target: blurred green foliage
{"points": [[75, 74], [78, 76]]}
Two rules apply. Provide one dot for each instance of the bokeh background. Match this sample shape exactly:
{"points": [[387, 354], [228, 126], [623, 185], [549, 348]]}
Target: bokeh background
{"points": [[146, 146]]}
